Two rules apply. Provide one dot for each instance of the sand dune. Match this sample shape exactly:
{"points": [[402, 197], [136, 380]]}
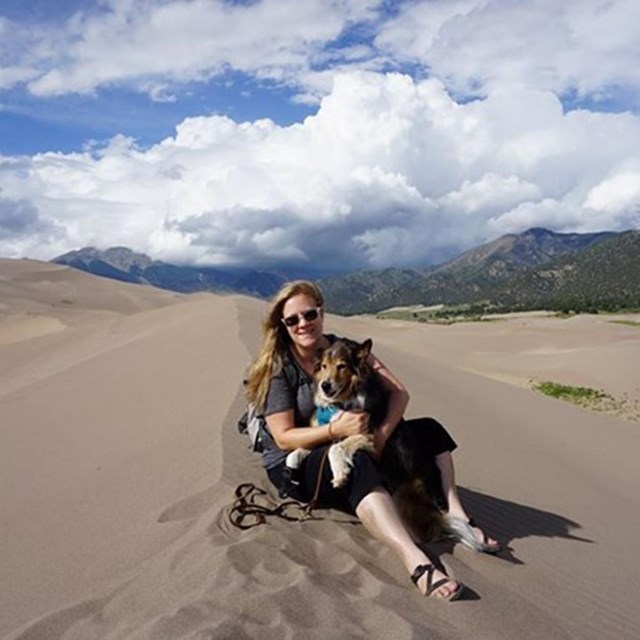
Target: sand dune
{"points": [[119, 456]]}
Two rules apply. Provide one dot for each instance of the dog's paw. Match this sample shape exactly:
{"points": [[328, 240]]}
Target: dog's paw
{"points": [[339, 480], [340, 464], [295, 458], [340, 474]]}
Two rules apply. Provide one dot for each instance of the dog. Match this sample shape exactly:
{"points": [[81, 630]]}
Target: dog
{"points": [[345, 381]]}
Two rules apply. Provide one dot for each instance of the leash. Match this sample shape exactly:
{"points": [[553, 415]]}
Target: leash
{"points": [[245, 505], [312, 504]]}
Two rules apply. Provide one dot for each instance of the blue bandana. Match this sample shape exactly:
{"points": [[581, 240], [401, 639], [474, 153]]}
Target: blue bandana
{"points": [[324, 414]]}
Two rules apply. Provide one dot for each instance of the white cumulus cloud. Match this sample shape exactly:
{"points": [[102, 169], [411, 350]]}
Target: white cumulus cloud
{"points": [[150, 45], [590, 48], [389, 171]]}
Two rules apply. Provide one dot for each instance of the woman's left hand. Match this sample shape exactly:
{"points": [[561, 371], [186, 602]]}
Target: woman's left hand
{"points": [[351, 423]]}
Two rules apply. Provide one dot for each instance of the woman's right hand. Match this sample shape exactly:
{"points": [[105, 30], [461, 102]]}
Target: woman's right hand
{"points": [[351, 423]]}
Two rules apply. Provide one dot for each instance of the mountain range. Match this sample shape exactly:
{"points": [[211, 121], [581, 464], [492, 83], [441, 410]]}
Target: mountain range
{"points": [[478, 275], [121, 263], [534, 269]]}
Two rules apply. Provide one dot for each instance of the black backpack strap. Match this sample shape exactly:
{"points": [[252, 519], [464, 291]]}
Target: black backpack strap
{"points": [[290, 372]]}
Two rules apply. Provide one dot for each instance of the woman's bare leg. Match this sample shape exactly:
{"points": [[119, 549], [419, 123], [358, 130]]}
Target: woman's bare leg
{"points": [[379, 515]]}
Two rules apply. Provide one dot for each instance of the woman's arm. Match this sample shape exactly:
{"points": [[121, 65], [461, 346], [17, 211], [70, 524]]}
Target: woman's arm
{"points": [[288, 437], [397, 404]]}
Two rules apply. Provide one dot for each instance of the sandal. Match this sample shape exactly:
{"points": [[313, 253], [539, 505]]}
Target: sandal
{"points": [[485, 546], [421, 569]]}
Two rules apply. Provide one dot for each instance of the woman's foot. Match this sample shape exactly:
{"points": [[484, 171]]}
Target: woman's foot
{"points": [[430, 581], [489, 544]]}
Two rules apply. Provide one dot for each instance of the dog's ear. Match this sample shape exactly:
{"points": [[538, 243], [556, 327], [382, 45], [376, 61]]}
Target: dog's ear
{"points": [[364, 350], [317, 359]]}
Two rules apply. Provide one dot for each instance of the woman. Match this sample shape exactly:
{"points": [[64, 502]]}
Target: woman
{"points": [[280, 384]]}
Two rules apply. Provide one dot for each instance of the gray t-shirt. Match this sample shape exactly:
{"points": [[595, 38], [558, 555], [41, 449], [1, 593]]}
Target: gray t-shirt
{"points": [[290, 388]]}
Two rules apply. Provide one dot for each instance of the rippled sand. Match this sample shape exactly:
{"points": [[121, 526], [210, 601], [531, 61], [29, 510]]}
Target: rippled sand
{"points": [[119, 456]]}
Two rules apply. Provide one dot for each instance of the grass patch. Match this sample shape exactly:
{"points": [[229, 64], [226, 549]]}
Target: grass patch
{"points": [[629, 323], [440, 315], [584, 396], [578, 395], [594, 399]]}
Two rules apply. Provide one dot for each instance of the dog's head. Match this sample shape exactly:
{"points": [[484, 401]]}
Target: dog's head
{"points": [[340, 371]]}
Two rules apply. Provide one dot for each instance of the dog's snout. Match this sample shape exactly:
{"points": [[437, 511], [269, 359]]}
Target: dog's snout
{"points": [[325, 385]]}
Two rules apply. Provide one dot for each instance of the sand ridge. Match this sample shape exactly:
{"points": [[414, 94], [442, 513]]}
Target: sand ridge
{"points": [[585, 350], [119, 456]]}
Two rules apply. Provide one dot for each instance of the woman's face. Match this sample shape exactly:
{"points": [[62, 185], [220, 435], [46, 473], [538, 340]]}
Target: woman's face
{"points": [[306, 333]]}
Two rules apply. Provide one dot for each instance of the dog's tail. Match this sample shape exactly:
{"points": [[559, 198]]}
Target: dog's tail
{"points": [[462, 532], [418, 511], [426, 521]]}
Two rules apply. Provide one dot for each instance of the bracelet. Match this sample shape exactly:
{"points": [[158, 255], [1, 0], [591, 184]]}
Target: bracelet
{"points": [[330, 433]]}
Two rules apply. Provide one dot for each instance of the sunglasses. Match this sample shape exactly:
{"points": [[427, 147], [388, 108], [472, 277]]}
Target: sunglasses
{"points": [[309, 315]]}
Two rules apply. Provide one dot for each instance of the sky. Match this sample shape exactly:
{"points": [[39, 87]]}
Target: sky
{"points": [[319, 134]]}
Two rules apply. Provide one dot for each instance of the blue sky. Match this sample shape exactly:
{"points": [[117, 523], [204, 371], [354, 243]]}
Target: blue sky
{"points": [[65, 123], [280, 132]]}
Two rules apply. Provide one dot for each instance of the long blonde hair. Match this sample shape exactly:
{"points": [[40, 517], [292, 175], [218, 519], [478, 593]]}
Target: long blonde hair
{"points": [[275, 340]]}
